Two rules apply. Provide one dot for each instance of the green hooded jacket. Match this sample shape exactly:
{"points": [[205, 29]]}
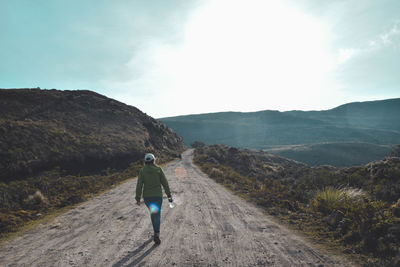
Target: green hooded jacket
{"points": [[151, 178]]}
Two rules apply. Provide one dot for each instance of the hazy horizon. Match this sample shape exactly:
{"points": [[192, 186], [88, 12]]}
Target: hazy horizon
{"points": [[305, 110], [194, 57]]}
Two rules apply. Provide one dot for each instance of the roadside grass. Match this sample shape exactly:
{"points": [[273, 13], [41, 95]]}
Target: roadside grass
{"points": [[51, 213], [325, 205], [29, 225], [331, 199]]}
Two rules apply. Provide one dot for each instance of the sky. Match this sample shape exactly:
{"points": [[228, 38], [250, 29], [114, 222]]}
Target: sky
{"points": [[181, 57]]}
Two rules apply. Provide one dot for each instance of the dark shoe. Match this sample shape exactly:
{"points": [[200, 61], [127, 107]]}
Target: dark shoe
{"points": [[157, 238]]}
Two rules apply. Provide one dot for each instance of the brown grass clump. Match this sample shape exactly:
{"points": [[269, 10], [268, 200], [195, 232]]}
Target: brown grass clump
{"points": [[37, 198]]}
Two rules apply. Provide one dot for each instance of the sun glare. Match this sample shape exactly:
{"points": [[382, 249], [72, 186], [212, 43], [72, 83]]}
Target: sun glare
{"points": [[248, 55]]}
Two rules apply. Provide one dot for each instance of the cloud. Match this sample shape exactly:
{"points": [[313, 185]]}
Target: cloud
{"points": [[388, 38], [384, 40], [150, 28], [345, 54]]}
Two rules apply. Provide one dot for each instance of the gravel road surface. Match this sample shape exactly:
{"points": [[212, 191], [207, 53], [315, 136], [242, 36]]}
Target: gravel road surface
{"points": [[210, 226]]}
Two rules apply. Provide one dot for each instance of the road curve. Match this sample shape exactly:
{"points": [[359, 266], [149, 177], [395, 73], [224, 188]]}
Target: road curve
{"points": [[209, 227]]}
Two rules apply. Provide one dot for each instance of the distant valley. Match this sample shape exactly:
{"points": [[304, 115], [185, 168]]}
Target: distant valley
{"points": [[351, 134]]}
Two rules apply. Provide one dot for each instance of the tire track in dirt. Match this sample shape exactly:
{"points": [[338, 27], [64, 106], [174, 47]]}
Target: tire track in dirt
{"points": [[209, 227]]}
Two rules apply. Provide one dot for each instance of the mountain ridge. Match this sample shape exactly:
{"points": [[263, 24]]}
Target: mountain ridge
{"points": [[370, 123], [287, 111]]}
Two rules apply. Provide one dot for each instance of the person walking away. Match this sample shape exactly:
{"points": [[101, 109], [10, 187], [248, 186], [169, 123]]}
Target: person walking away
{"points": [[151, 178]]}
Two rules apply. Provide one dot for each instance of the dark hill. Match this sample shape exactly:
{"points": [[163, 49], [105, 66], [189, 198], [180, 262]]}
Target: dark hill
{"points": [[355, 127], [382, 114], [78, 131], [344, 154]]}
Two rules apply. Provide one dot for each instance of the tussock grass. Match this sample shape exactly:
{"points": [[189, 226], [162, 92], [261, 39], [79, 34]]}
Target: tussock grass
{"points": [[353, 209], [331, 198]]}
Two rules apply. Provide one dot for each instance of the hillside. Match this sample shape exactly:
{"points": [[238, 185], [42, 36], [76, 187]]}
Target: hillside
{"points": [[357, 208], [335, 154], [79, 131], [366, 123], [59, 148]]}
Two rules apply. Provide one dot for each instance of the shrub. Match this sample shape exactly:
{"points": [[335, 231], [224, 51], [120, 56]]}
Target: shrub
{"points": [[357, 219], [327, 200], [197, 144], [396, 152], [396, 208], [330, 199], [35, 200]]}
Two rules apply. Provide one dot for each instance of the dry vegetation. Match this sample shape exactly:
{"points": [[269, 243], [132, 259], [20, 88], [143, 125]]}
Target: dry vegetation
{"points": [[24, 200], [357, 209], [58, 148], [78, 131]]}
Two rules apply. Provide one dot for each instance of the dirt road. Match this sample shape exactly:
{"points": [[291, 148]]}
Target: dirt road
{"points": [[209, 227]]}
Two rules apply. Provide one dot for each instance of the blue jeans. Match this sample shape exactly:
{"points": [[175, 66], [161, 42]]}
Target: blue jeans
{"points": [[154, 205]]}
